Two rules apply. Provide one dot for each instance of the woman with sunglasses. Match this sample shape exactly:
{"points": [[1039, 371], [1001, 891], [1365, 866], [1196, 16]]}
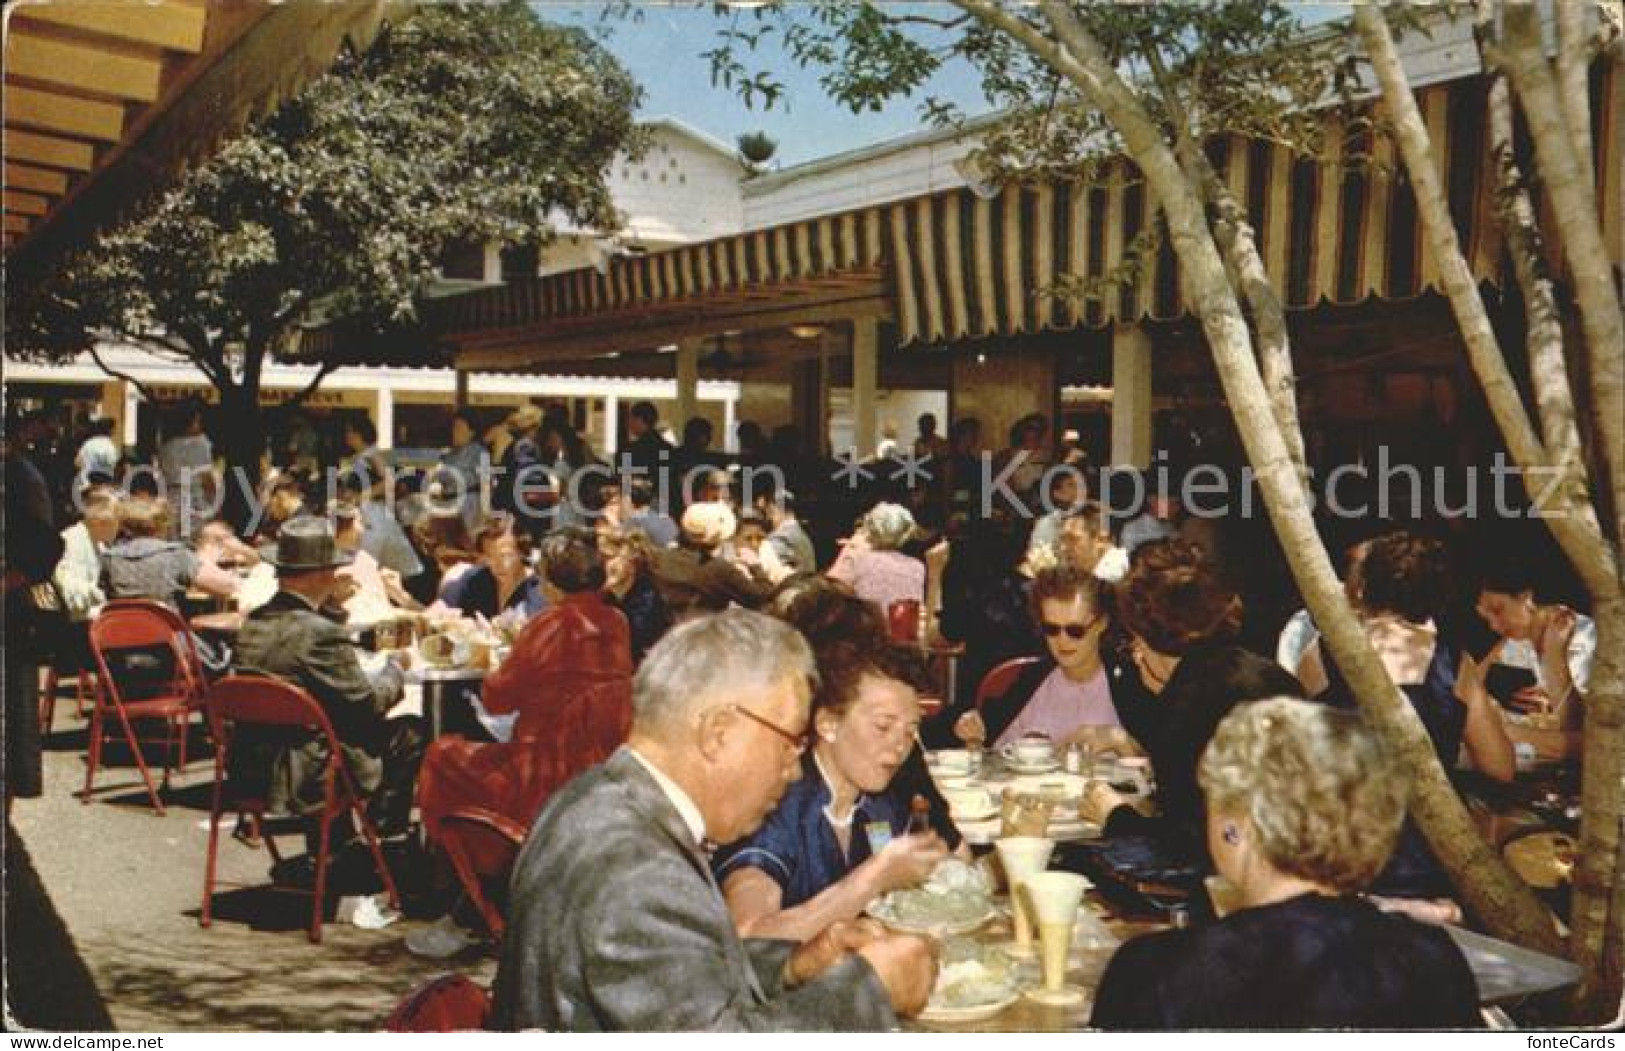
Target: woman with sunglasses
{"points": [[1067, 694], [841, 836]]}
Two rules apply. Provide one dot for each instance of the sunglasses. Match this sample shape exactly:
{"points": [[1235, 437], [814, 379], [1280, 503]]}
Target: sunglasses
{"points": [[798, 741], [1073, 631]]}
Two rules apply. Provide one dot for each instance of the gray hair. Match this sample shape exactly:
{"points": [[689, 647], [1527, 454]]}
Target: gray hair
{"points": [[888, 526], [736, 651]]}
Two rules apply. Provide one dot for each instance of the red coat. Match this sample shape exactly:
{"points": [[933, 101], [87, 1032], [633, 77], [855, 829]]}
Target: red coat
{"points": [[570, 679]]}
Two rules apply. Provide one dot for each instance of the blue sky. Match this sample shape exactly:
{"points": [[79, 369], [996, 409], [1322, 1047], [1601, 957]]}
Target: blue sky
{"points": [[662, 50]]}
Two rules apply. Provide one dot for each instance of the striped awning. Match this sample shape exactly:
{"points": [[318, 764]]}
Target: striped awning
{"points": [[966, 267], [954, 265], [745, 264]]}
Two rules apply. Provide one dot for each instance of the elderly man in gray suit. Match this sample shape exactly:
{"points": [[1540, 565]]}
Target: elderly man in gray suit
{"points": [[291, 638], [617, 923]]}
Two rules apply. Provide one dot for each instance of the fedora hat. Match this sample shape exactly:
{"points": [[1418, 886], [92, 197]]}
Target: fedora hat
{"points": [[306, 543]]}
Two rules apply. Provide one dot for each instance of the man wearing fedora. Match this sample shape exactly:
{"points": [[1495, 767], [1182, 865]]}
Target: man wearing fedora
{"points": [[290, 638]]}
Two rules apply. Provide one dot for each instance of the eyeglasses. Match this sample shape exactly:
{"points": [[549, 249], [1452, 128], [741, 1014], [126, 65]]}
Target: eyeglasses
{"points": [[1073, 631], [798, 741]]}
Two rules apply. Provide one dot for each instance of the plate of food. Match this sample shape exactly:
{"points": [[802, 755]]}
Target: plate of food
{"points": [[955, 900], [974, 983]]}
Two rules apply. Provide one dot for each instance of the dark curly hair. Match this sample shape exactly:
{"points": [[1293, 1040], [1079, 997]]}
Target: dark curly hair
{"points": [[1173, 599], [1406, 574], [827, 611], [842, 666]]}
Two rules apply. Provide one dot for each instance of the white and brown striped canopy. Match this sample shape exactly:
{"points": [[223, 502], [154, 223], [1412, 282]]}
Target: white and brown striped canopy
{"points": [[953, 266]]}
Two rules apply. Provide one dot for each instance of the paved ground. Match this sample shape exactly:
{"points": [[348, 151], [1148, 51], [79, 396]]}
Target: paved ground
{"points": [[127, 885]]}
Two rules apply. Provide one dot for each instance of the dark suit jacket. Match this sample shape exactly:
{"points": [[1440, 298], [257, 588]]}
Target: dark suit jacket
{"points": [[288, 639], [617, 925]]}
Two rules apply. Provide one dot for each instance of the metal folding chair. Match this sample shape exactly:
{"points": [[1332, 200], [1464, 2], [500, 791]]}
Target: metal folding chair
{"points": [[262, 701], [154, 629], [481, 844]]}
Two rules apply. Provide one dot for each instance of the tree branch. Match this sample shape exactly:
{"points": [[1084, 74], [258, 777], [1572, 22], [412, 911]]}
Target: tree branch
{"points": [[146, 392], [1574, 205], [326, 369], [1488, 886], [1548, 368], [1573, 60], [1234, 234]]}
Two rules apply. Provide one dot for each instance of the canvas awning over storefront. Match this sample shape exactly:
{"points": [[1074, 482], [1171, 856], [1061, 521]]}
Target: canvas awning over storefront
{"points": [[956, 266], [104, 102]]}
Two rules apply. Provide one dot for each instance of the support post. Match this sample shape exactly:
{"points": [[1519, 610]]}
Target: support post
{"points": [[384, 418], [1131, 397], [688, 382], [460, 391], [865, 378], [612, 425]]}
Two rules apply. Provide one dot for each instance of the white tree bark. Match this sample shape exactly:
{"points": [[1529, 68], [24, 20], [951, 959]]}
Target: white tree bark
{"points": [[1574, 204], [1490, 889], [1573, 521]]}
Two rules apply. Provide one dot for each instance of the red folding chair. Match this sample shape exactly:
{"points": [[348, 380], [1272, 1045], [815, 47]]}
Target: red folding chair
{"points": [[997, 682], [151, 627], [255, 700], [452, 1003], [481, 844], [83, 689]]}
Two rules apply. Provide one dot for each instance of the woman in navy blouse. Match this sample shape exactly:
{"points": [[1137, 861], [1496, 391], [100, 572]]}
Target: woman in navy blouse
{"points": [[839, 838]]}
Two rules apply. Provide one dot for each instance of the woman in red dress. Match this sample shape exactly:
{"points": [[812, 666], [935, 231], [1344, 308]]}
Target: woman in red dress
{"points": [[569, 679]]}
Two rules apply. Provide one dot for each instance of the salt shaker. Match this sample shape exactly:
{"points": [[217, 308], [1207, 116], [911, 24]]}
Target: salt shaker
{"points": [[1072, 760]]}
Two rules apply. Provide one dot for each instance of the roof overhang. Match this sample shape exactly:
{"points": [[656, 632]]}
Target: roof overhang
{"points": [[107, 100]]}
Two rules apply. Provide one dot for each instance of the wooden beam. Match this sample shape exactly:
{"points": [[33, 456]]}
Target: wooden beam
{"points": [[17, 224], [22, 177], [82, 67], [522, 348], [64, 113], [171, 26], [49, 150], [26, 203]]}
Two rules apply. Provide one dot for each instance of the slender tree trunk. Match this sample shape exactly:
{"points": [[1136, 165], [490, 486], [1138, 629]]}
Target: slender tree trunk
{"points": [[1489, 888], [1597, 916], [1572, 520], [1235, 236], [1574, 205]]}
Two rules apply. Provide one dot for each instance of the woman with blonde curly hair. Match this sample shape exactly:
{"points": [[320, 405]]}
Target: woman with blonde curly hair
{"points": [[1303, 807]]}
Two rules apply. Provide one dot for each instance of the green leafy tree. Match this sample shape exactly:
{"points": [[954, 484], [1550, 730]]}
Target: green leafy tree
{"points": [[464, 123], [1085, 81]]}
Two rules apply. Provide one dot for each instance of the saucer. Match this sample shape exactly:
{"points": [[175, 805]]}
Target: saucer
{"points": [[1043, 766]]}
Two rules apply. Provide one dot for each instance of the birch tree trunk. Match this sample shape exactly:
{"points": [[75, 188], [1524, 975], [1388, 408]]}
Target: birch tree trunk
{"points": [[1573, 521], [1488, 887], [1574, 205]]}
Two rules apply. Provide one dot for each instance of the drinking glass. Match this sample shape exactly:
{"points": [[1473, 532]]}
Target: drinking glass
{"points": [[1022, 857], [1054, 898]]}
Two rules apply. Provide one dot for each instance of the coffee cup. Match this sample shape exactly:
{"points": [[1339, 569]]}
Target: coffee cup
{"points": [[1029, 750], [951, 762]]}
